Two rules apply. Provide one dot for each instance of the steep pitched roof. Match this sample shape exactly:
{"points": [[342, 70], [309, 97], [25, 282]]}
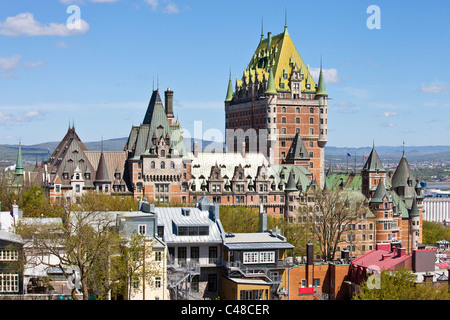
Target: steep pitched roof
{"points": [[321, 91], [373, 163], [102, 171], [279, 52], [155, 126], [380, 193], [297, 151], [69, 154], [290, 185]]}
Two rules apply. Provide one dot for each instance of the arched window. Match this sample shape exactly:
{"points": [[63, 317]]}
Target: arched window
{"points": [[163, 165], [152, 164], [172, 165]]}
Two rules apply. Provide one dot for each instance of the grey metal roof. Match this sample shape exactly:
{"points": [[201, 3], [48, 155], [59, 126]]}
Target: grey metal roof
{"points": [[170, 218], [256, 241], [10, 237]]}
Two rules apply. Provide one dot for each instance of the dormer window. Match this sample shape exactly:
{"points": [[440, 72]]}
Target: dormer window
{"points": [[65, 175]]}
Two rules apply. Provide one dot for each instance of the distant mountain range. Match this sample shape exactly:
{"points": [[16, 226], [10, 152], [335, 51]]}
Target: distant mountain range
{"points": [[39, 152]]}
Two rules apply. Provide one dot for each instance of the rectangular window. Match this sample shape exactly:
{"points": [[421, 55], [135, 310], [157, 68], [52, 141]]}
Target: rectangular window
{"points": [[142, 228], [259, 257], [316, 282], [9, 255], [195, 254], [157, 282], [158, 256], [9, 282], [212, 254]]}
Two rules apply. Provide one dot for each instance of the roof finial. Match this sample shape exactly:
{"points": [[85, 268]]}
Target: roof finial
{"points": [[157, 82], [262, 28], [403, 147], [285, 19]]}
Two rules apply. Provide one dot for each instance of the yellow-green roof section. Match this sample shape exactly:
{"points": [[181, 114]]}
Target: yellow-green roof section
{"points": [[279, 53]]}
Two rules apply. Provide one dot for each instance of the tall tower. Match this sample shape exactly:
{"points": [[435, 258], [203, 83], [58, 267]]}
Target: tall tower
{"points": [[276, 99]]}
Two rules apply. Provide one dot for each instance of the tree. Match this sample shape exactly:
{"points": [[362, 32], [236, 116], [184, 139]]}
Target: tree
{"points": [[329, 216], [400, 285], [82, 240], [239, 219], [434, 231]]}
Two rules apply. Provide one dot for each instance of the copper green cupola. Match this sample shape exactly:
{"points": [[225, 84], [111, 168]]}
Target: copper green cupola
{"points": [[271, 89], [19, 164], [229, 96], [321, 91]]}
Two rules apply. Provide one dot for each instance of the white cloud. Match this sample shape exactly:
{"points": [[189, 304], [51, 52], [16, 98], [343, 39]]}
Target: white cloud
{"points": [[34, 64], [388, 124], [389, 114], [8, 66], [329, 75], [7, 119], [152, 3], [24, 24], [435, 87], [171, 8], [61, 44]]}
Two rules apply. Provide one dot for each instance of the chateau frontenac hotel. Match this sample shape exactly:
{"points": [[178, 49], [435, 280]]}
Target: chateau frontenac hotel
{"points": [[280, 109]]}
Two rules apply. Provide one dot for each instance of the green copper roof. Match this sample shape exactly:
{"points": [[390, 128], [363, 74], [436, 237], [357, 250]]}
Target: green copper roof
{"points": [[373, 163], [380, 194], [414, 212], [19, 164], [271, 90], [321, 91], [291, 186], [229, 91]]}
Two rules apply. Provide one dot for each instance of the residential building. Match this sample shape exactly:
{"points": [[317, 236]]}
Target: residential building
{"points": [[11, 265], [144, 222], [194, 239], [256, 264]]}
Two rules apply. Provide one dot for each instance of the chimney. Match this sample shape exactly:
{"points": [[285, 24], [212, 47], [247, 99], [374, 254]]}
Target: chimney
{"points": [[262, 219], [169, 102], [195, 148], [309, 253], [16, 213], [400, 252]]}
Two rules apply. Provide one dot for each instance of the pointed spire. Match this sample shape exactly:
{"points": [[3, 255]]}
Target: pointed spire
{"points": [[373, 162], [321, 91], [414, 211], [380, 193], [262, 29], [290, 185], [19, 164], [271, 89], [102, 171], [229, 96], [285, 21]]}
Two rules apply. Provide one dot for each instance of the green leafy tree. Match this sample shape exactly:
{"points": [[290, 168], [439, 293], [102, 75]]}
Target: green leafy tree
{"points": [[239, 219], [399, 285], [433, 232]]}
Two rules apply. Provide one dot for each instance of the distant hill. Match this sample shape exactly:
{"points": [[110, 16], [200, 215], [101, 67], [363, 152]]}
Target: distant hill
{"points": [[39, 152]]}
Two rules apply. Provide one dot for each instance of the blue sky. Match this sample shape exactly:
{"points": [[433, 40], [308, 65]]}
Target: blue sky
{"points": [[387, 85]]}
